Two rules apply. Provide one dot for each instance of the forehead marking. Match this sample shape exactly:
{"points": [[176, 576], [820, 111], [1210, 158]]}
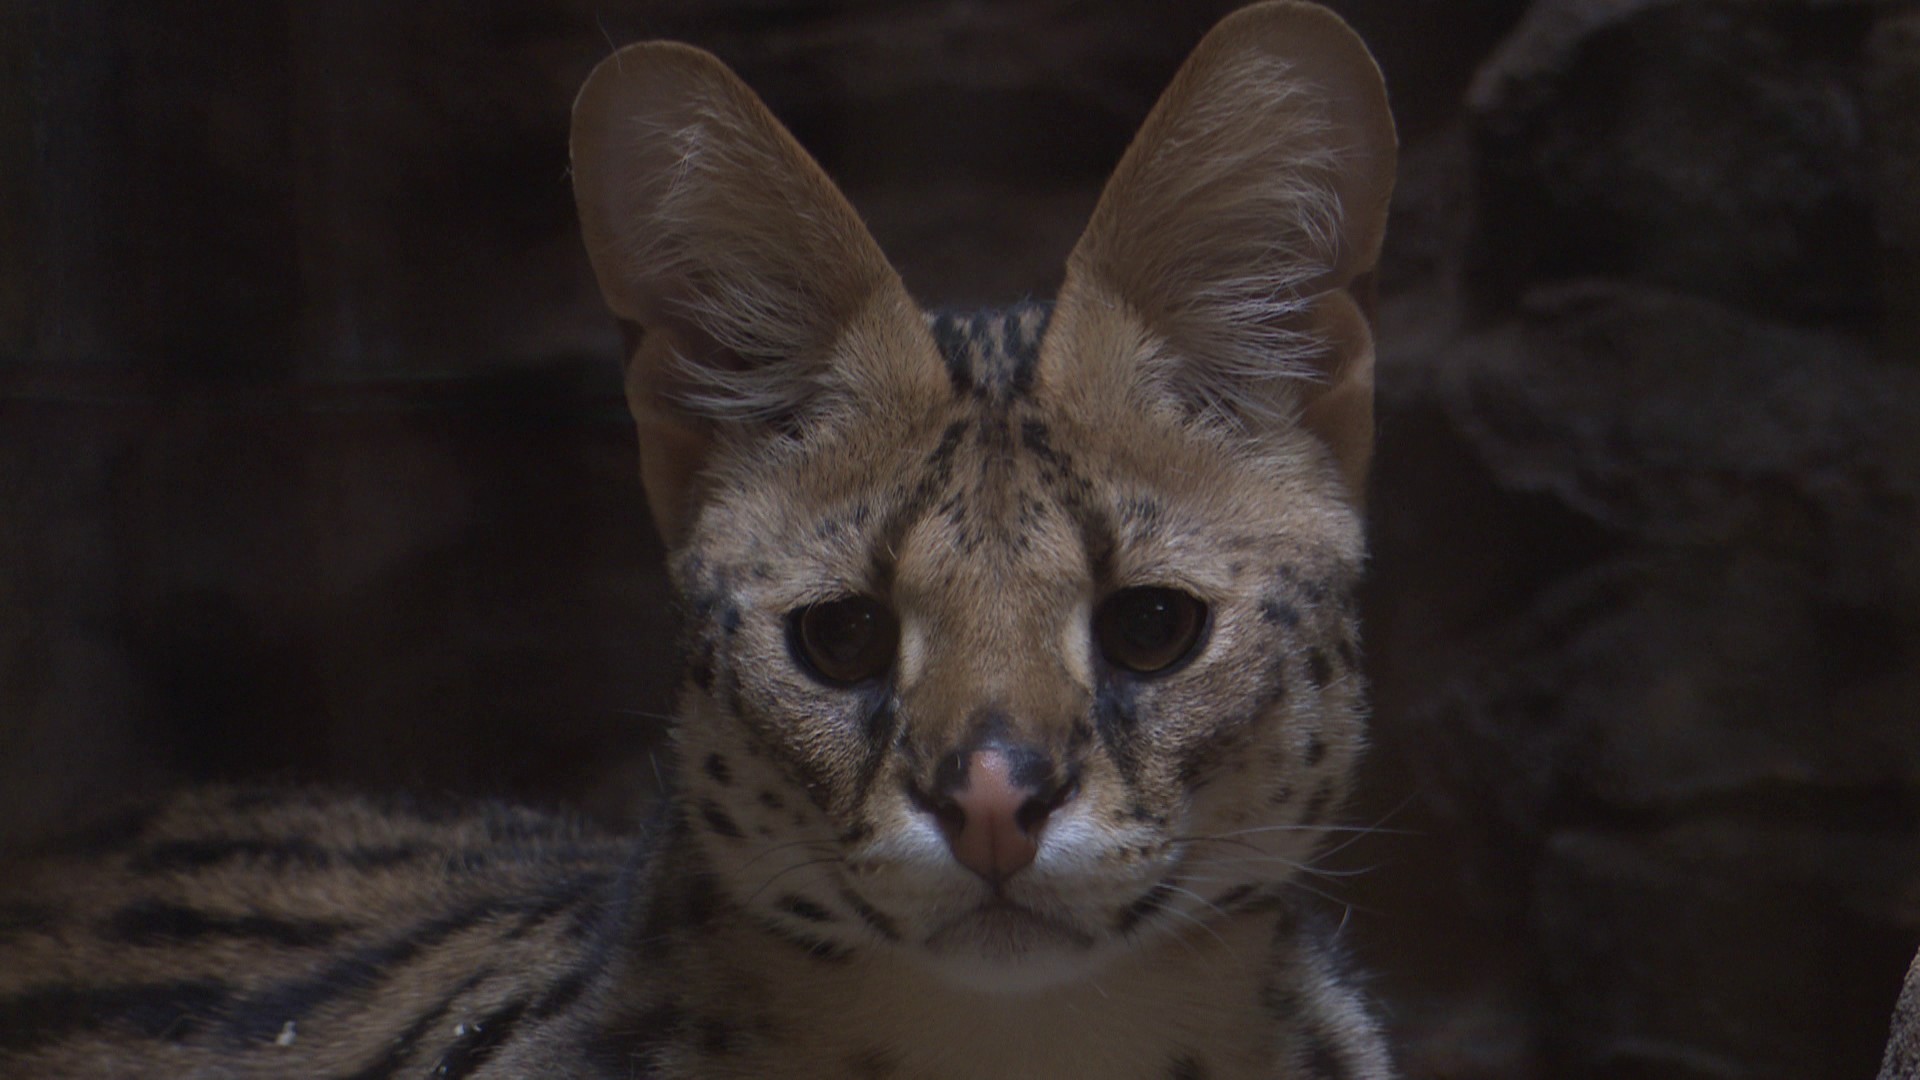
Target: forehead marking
{"points": [[990, 355]]}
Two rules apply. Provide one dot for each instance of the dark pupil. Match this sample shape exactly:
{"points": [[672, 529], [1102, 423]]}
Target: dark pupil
{"points": [[846, 641], [1149, 630], [841, 634], [1150, 624]]}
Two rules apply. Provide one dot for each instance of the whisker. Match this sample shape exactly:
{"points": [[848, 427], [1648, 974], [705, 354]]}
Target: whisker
{"points": [[1208, 905], [767, 884], [1363, 830], [818, 845], [1304, 868]]}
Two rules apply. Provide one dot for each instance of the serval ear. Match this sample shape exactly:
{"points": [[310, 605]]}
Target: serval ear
{"points": [[745, 280], [1228, 265]]}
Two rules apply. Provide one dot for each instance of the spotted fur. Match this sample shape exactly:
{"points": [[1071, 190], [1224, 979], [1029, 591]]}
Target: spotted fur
{"points": [[1191, 413]]}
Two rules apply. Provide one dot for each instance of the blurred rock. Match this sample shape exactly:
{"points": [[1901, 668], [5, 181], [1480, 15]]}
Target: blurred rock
{"points": [[1719, 148], [1668, 676], [1894, 105], [1682, 954]]}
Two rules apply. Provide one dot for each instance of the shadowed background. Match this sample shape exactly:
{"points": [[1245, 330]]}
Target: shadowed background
{"points": [[313, 464]]}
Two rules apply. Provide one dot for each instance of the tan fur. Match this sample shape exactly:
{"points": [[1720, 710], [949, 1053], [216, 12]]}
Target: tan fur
{"points": [[1193, 414]]}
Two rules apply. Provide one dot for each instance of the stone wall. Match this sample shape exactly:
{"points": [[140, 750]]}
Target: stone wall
{"points": [[313, 463]]}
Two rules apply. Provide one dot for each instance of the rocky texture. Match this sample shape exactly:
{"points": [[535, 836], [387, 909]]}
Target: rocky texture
{"points": [[1715, 148], [1648, 541], [1893, 100], [314, 466], [1675, 722]]}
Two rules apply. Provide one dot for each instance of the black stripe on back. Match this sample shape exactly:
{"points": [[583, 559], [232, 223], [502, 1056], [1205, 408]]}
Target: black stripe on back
{"points": [[262, 1015], [167, 1010], [483, 1038], [401, 1049], [278, 853], [152, 922]]}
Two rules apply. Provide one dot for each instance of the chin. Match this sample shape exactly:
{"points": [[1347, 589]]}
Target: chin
{"points": [[1005, 949]]}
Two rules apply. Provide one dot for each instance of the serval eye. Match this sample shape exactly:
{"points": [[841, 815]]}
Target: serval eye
{"points": [[1149, 630], [846, 641]]}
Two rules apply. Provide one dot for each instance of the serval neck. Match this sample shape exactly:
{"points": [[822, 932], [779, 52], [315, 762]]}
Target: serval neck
{"points": [[820, 1007]]}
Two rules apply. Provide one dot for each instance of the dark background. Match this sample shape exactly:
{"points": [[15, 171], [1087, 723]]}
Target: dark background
{"points": [[313, 464]]}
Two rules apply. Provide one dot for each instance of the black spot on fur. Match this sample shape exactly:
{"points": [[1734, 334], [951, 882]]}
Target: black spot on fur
{"points": [[1319, 1056], [719, 821], [1038, 439], [1319, 672], [716, 767], [875, 919], [935, 475], [1150, 903], [1316, 750], [771, 801], [1278, 612]]}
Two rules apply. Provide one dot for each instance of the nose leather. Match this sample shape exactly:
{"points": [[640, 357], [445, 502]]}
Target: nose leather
{"points": [[992, 819], [990, 841]]}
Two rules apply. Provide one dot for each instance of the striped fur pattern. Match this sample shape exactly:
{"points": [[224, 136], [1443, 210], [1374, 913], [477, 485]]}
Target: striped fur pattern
{"points": [[243, 933], [1188, 419]]}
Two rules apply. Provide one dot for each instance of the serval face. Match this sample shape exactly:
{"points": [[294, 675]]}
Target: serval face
{"points": [[1018, 639], [1019, 676]]}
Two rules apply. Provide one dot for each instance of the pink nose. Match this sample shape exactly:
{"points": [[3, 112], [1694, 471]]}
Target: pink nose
{"points": [[991, 819]]}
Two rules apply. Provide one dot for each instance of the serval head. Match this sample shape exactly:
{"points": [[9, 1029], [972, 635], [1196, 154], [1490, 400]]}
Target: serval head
{"points": [[1015, 639]]}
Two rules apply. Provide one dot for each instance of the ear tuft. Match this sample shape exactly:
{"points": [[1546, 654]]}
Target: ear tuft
{"points": [[742, 274], [1245, 219], [707, 223]]}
